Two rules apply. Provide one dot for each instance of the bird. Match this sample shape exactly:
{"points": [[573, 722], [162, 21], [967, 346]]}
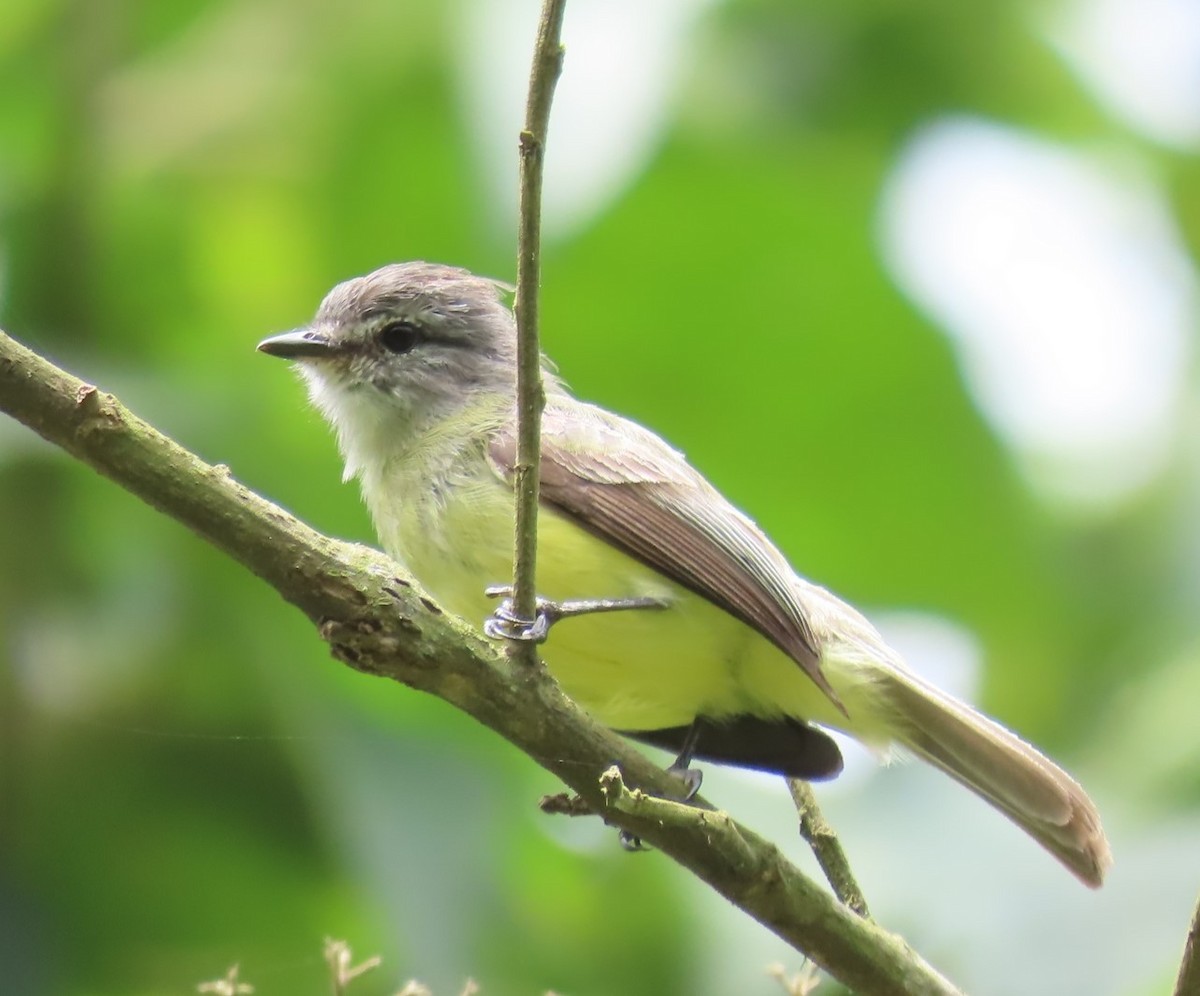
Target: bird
{"points": [[677, 621]]}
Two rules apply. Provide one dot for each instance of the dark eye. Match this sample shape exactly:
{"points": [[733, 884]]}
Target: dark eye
{"points": [[399, 336]]}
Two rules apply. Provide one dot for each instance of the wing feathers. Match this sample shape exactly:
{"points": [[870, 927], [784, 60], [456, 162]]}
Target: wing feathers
{"points": [[623, 483]]}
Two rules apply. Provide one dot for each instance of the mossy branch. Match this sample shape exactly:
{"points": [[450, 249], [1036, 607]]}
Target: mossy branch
{"points": [[377, 620]]}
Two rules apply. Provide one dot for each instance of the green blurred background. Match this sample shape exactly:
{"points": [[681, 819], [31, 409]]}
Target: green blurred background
{"points": [[910, 281]]}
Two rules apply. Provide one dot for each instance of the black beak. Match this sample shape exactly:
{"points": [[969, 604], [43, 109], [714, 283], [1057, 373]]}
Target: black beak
{"points": [[299, 344]]}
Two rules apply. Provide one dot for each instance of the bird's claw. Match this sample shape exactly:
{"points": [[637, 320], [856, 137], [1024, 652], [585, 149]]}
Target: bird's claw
{"points": [[631, 842], [505, 624], [691, 778]]}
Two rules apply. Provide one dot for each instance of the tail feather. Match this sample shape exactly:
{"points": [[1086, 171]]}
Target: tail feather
{"points": [[996, 764]]}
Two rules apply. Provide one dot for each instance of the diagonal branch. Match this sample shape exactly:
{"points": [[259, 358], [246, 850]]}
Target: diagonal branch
{"points": [[1188, 981], [531, 395], [377, 620], [826, 847]]}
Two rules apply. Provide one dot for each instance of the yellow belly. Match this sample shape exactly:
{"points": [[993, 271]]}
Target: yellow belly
{"points": [[632, 670]]}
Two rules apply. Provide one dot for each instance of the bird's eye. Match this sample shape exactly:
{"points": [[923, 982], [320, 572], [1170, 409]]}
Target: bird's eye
{"points": [[399, 336]]}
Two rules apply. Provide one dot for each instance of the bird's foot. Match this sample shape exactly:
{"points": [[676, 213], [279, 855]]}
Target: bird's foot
{"points": [[505, 624], [681, 768], [691, 778]]}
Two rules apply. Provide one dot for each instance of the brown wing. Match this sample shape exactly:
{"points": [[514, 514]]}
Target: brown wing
{"points": [[626, 485]]}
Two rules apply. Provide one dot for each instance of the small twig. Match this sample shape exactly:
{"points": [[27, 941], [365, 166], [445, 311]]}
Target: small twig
{"points": [[531, 395], [565, 804], [1188, 982], [827, 848], [338, 958], [634, 801], [227, 985], [802, 983]]}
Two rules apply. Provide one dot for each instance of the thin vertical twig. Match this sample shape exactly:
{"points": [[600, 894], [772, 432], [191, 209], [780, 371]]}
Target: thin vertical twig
{"points": [[827, 848], [531, 395], [1188, 982]]}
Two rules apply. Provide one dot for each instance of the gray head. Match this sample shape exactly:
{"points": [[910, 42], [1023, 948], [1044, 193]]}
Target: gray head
{"points": [[403, 347]]}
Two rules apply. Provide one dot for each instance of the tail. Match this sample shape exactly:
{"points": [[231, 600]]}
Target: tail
{"points": [[1026, 786]]}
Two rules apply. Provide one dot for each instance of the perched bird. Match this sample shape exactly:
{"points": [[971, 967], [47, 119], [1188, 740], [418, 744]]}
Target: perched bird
{"points": [[723, 652]]}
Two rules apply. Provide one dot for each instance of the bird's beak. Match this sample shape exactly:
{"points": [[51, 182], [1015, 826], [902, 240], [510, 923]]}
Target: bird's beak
{"points": [[299, 344]]}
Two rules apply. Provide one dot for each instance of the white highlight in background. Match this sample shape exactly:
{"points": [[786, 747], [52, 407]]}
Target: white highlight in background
{"points": [[1140, 58], [1065, 286], [624, 63]]}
